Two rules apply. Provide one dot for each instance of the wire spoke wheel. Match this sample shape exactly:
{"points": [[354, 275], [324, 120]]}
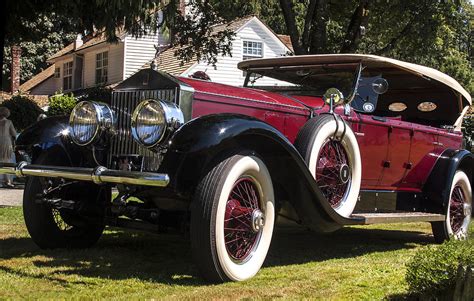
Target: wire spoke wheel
{"points": [[456, 209], [243, 219], [333, 172]]}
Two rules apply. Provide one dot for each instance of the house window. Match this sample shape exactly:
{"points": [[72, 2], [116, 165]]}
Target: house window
{"points": [[251, 50], [57, 72], [101, 66], [67, 76]]}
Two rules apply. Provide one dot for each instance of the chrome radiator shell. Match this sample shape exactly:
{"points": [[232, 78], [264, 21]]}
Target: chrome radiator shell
{"points": [[122, 143]]}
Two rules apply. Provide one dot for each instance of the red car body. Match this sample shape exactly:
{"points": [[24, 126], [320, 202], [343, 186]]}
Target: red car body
{"points": [[399, 161]]}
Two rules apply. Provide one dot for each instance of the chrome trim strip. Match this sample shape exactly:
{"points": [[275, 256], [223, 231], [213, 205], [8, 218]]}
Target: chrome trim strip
{"points": [[98, 175], [304, 109]]}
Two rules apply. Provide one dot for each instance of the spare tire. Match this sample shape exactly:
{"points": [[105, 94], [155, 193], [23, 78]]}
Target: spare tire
{"points": [[330, 149]]}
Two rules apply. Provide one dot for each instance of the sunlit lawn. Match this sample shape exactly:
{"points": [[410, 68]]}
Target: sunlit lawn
{"points": [[353, 263]]}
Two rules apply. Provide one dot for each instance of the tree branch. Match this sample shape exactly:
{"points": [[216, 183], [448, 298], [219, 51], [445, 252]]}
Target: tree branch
{"points": [[359, 18], [290, 21], [395, 39], [307, 23], [319, 22]]}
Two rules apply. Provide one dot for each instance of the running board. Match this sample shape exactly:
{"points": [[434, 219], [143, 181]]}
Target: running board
{"points": [[404, 217]]}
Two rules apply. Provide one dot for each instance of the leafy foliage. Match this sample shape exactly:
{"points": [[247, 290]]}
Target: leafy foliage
{"points": [[52, 33], [24, 111], [468, 131], [102, 94], [432, 271], [61, 104], [433, 33]]}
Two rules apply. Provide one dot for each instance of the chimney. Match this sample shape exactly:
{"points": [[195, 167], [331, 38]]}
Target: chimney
{"points": [[15, 68], [78, 42], [182, 7]]}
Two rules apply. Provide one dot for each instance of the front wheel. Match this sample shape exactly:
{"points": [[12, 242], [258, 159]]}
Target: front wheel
{"points": [[50, 227], [232, 219], [459, 211]]}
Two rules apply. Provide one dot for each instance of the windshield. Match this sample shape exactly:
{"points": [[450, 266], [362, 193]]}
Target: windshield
{"points": [[366, 98], [311, 80]]}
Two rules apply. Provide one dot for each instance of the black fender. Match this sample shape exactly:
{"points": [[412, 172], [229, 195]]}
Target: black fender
{"points": [[195, 147], [437, 188], [52, 135]]}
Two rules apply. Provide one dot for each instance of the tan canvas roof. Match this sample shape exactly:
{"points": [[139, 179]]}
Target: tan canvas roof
{"points": [[367, 60]]}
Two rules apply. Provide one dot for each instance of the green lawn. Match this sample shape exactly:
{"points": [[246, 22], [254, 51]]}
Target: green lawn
{"points": [[353, 263]]}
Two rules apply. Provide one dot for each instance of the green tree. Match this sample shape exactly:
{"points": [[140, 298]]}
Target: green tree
{"points": [[52, 34], [436, 33], [135, 17]]}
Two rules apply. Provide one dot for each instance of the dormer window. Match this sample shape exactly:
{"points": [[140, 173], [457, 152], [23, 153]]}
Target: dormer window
{"points": [[57, 72], [252, 50], [101, 67], [67, 76]]}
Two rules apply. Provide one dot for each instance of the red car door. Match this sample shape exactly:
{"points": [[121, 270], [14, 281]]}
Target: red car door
{"points": [[423, 143], [399, 136], [373, 137]]}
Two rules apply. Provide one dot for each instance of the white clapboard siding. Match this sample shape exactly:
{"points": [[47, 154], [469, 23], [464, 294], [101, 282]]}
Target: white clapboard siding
{"points": [[226, 70], [47, 87], [139, 51], [115, 63]]}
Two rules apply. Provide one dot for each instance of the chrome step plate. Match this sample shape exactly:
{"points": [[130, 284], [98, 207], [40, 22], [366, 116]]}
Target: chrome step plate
{"points": [[402, 217]]}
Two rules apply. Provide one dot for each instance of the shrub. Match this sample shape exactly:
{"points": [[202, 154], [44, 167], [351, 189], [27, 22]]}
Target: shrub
{"points": [[24, 111], [101, 94], [61, 104], [432, 271], [468, 131]]}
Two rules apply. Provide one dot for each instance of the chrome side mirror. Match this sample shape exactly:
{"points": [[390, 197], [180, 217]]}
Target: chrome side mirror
{"points": [[380, 85]]}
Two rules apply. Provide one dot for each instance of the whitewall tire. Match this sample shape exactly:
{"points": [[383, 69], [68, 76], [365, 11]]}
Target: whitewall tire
{"points": [[330, 149], [232, 219], [459, 210]]}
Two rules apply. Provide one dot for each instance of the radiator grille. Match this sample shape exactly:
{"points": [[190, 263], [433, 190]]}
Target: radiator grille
{"points": [[123, 104]]}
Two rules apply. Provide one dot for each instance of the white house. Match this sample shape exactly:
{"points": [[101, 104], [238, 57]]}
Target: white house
{"points": [[95, 62]]}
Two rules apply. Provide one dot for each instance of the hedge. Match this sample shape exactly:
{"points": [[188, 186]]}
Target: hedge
{"points": [[441, 272]]}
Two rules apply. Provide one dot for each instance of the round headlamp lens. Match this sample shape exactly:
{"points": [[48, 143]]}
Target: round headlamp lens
{"points": [[84, 123], [149, 122]]}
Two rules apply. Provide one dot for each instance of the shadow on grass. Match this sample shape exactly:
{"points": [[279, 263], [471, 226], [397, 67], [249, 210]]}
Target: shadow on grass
{"points": [[122, 254]]}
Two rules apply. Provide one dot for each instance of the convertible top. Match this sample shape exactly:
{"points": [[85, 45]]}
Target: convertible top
{"points": [[390, 66]]}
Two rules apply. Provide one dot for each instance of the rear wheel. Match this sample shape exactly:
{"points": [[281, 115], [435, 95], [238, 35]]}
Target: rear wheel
{"points": [[459, 211], [50, 227], [232, 219]]}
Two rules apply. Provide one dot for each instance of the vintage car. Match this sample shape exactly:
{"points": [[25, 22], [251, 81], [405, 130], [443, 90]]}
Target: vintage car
{"points": [[321, 140]]}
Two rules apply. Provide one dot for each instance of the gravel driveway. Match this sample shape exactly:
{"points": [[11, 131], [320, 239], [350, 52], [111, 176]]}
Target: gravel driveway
{"points": [[11, 197]]}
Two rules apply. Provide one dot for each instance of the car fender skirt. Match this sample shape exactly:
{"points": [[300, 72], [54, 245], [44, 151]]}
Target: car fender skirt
{"points": [[438, 186], [204, 141]]}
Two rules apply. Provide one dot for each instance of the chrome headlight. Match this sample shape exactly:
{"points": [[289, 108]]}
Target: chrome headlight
{"points": [[88, 120], [154, 120]]}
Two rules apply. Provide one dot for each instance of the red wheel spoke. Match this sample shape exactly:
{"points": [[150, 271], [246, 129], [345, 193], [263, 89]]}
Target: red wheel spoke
{"points": [[456, 209], [239, 235], [331, 159]]}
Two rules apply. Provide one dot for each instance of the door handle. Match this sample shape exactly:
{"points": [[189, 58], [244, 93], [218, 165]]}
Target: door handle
{"points": [[438, 144], [359, 134]]}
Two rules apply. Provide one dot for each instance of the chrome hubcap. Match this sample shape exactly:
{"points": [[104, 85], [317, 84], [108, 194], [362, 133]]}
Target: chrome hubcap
{"points": [[467, 209], [258, 220]]}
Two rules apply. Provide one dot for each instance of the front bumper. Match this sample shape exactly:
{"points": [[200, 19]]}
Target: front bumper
{"points": [[98, 175]]}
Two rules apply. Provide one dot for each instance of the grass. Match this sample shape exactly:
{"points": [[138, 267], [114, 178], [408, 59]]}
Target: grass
{"points": [[353, 263]]}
